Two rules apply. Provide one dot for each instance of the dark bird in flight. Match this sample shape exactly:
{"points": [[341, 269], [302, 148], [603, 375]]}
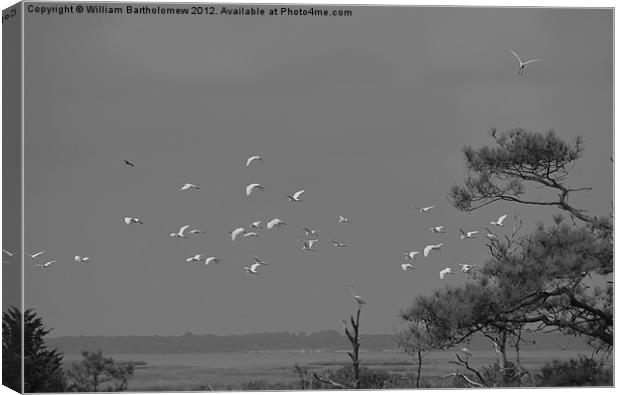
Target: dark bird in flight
{"points": [[128, 163]]}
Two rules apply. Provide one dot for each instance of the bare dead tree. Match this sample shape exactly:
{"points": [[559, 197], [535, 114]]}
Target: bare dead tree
{"points": [[354, 339], [465, 363]]}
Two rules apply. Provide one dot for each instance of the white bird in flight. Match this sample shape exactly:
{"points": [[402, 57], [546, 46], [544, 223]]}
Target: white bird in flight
{"points": [[250, 234], [423, 209], [181, 233], [212, 259], [275, 223], [406, 266], [129, 220], [522, 64], [45, 265], [260, 261], [310, 232], [437, 229], [338, 244], [430, 247], [8, 252], [360, 301], [295, 197], [467, 235], [307, 244], [189, 186], [252, 159], [251, 187], [343, 220], [196, 232], [195, 258], [36, 254], [444, 272], [466, 268], [252, 268], [256, 225], [411, 255], [500, 221], [236, 232], [81, 259]]}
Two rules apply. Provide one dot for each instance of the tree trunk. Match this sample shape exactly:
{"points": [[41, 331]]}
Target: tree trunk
{"points": [[500, 349], [356, 348], [417, 382]]}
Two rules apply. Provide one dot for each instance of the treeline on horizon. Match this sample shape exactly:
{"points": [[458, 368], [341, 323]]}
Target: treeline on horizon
{"points": [[322, 340]]}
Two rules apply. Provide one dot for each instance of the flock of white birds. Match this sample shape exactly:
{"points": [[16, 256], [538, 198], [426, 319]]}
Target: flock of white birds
{"points": [[310, 241], [465, 268]]}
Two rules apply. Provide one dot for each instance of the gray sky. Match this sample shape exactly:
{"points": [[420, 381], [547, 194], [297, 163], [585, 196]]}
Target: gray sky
{"points": [[367, 113]]}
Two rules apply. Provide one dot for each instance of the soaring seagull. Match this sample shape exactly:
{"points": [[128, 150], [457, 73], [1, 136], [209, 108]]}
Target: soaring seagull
{"points": [[275, 223], [423, 209], [444, 272], [252, 159], [181, 232], [45, 265], [251, 187], [36, 254], [522, 64], [235, 233], [429, 248], [406, 266], [252, 268], [467, 235], [500, 221], [81, 259], [295, 197], [189, 186], [360, 301], [411, 255], [437, 229]]}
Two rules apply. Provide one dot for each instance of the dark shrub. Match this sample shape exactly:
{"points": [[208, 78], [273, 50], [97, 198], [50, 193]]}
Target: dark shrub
{"points": [[575, 372]]}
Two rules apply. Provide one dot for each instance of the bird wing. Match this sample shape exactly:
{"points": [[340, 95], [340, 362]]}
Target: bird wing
{"points": [[250, 159], [532, 60], [427, 250], [311, 243], [7, 252], [183, 228], [502, 218], [298, 194], [127, 220], [257, 260], [462, 232], [248, 189], [236, 233], [516, 56], [473, 232], [308, 231], [186, 186], [254, 267]]}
